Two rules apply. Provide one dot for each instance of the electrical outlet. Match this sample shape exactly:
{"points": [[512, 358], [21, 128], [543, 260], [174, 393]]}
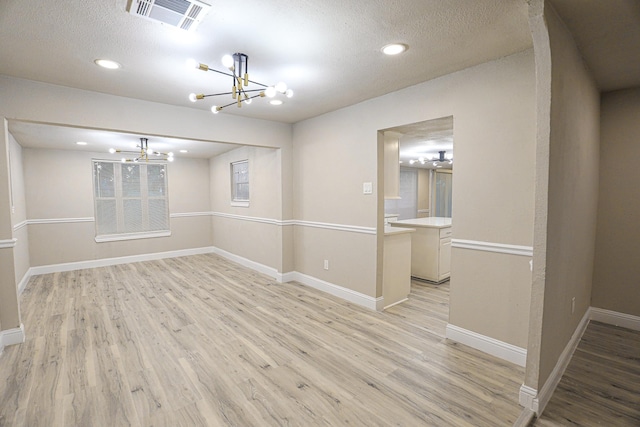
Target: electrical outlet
{"points": [[326, 264], [573, 305]]}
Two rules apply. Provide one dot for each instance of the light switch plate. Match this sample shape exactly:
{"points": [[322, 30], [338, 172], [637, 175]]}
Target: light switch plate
{"points": [[367, 188]]}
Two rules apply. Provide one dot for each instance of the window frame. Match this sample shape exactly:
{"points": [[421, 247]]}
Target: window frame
{"points": [[119, 198], [235, 200]]}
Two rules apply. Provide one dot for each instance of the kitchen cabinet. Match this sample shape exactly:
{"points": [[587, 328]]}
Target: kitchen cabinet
{"points": [[430, 247]]}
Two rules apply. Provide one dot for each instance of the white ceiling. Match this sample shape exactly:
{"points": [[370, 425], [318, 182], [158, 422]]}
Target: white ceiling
{"points": [[327, 51], [607, 33], [38, 135], [424, 139]]}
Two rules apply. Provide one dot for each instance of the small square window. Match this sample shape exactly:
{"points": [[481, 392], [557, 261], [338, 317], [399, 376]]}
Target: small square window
{"points": [[240, 183]]}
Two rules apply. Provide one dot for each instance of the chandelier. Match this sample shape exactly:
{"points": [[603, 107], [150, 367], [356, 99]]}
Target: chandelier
{"points": [[145, 154], [437, 160], [241, 89]]}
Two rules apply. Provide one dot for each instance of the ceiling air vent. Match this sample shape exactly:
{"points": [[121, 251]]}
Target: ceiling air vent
{"points": [[185, 14]]}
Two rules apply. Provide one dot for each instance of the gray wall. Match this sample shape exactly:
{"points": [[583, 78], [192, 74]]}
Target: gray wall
{"points": [[616, 271]]}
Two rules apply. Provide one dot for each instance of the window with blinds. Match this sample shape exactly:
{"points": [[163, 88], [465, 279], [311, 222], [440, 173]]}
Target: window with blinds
{"points": [[240, 183], [130, 200]]}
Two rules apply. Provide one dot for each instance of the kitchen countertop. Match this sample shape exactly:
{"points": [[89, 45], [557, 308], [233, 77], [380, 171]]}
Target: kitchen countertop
{"points": [[428, 222], [388, 231]]}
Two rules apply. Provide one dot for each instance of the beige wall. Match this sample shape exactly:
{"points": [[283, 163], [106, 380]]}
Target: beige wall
{"points": [[59, 185], [493, 109], [616, 270], [566, 192], [254, 232], [19, 211], [9, 307], [424, 192]]}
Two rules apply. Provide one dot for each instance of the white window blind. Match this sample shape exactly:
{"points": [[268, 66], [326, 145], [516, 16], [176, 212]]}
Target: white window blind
{"points": [[130, 200], [240, 183]]}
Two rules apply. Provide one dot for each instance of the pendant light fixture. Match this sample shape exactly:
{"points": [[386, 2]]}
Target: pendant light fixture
{"points": [[243, 90]]}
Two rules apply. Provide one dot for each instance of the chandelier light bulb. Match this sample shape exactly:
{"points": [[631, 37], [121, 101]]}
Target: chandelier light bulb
{"points": [[123, 160], [270, 91], [170, 159], [411, 161], [193, 97], [192, 63], [248, 101], [281, 87], [289, 93], [227, 61], [214, 109], [112, 150]]}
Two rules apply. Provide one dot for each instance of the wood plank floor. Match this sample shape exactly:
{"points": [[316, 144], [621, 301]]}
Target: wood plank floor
{"points": [[198, 341], [601, 386]]}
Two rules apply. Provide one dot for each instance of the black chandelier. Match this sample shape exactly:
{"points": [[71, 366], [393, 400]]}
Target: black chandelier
{"points": [[238, 64]]}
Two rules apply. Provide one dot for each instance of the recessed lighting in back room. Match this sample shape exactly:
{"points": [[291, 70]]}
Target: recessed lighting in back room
{"points": [[107, 63], [81, 143], [394, 48], [183, 151]]}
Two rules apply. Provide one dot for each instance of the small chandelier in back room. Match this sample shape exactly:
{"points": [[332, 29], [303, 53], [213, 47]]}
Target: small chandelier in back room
{"points": [[240, 92], [145, 154]]}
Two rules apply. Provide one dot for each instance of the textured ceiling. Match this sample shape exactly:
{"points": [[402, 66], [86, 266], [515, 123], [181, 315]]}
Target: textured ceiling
{"points": [[607, 33], [327, 51]]}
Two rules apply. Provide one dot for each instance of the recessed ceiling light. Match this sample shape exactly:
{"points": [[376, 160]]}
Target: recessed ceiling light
{"points": [[394, 48], [107, 63], [81, 143], [183, 151], [275, 102]]}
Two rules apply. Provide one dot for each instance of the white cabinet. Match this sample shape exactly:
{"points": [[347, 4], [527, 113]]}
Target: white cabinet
{"points": [[430, 247]]}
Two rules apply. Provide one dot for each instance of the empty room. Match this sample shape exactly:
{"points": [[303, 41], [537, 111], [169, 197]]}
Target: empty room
{"points": [[260, 213]]}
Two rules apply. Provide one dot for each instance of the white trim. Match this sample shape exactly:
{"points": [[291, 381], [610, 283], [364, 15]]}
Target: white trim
{"points": [[240, 203], [247, 218], [7, 244], [104, 262], [540, 400], [528, 398], [337, 291], [25, 279], [423, 211], [492, 346], [492, 247], [261, 268], [11, 336], [131, 236], [188, 214], [615, 318], [338, 227], [20, 225], [395, 303], [280, 223], [59, 220]]}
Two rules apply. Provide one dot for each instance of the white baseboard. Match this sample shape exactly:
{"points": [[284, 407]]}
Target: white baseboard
{"points": [[105, 262], [245, 262], [24, 281], [338, 291], [11, 337], [492, 346], [536, 402], [614, 318]]}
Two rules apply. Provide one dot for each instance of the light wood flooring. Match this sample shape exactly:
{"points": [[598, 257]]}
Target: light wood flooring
{"points": [[601, 385], [198, 341]]}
